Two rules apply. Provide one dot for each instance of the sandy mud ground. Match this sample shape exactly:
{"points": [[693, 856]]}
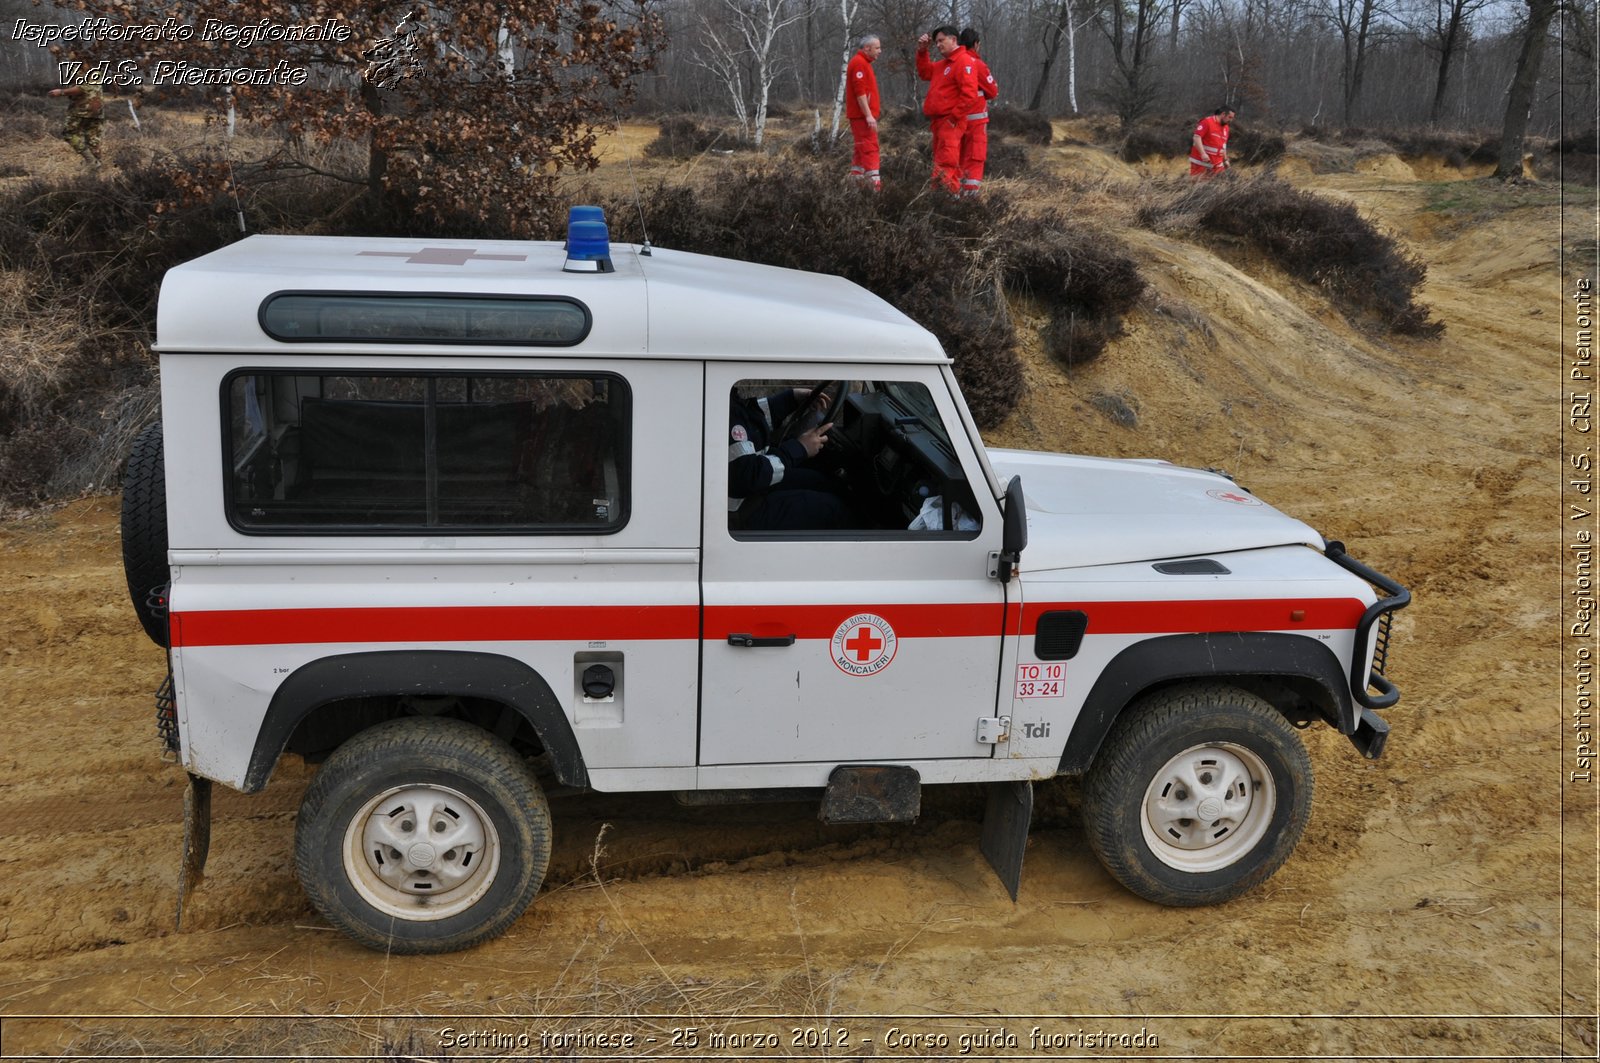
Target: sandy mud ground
{"points": [[1441, 904]]}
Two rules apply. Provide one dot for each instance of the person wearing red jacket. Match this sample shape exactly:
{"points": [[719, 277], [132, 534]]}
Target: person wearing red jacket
{"points": [[975, 137], [1208, 154], [862, 107], [952, 95]]}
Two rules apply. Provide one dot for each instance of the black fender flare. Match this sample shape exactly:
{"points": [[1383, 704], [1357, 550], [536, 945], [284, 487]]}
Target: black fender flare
{"points": [[1253, 654], [459, 673]]}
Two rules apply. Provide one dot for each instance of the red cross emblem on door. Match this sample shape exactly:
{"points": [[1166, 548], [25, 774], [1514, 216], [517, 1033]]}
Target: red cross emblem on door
{"points": [[864, 645]]}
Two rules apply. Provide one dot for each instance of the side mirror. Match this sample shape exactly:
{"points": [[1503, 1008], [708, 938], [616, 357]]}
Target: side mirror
{"points": [[1014, 530]]}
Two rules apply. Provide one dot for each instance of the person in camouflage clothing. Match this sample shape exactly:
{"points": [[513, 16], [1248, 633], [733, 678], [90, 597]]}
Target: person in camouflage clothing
{"points": [[84, 120]]}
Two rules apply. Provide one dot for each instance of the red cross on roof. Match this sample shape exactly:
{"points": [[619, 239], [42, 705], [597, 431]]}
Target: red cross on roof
{"points": [[444, 256]]}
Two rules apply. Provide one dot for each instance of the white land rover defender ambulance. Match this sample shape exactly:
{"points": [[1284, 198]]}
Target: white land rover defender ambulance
{"points": [[444, 515]]}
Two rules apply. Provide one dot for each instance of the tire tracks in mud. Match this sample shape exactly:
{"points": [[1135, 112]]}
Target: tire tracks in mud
{"points": [[651, 835], [598, 838], [82, 812]]}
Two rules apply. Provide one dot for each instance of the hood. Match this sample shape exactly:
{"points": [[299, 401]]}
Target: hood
{"points": [[1107, 511]]}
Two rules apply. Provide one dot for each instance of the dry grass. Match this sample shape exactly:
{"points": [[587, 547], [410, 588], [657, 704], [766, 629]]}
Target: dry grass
{"points": [[32, 369], [61, 440]]}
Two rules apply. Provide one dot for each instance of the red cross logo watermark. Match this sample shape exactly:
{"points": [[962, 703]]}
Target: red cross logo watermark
{"points": [[864, 645], [444, 256], [1238, 498]]}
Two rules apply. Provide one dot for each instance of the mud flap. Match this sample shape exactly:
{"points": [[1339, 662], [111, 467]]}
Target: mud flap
{"points": [[1006, 819], [196, 839], [872, 793]]}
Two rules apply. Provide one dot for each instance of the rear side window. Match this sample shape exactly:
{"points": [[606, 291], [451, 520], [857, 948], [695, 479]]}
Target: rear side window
{"points": [[393, 453], [396, 317]]}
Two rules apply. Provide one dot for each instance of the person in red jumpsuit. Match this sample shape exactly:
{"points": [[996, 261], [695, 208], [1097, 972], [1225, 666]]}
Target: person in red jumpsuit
{"points": [[862, 107], [1208, 154], [952, 95], [975, 138]]}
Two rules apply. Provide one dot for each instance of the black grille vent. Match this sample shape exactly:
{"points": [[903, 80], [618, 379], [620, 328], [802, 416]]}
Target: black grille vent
{"points": [[1200, 566], [1059, 635], [167, 714], [1380, 655]]}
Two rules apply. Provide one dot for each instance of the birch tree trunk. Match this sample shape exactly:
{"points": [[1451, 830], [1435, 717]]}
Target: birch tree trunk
{"points": [[847, 15]]}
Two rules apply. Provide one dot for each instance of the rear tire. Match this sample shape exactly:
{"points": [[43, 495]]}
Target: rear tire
{"points": [[1199, 794], [144, 533], [423, 835]]}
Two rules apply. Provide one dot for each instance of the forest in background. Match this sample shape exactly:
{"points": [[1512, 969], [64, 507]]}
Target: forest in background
{"points": [[1286, 64], [501, 124]]}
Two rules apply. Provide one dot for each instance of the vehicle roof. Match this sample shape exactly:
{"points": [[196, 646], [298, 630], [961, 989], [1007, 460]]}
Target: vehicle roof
{"points": [[667, 304]]}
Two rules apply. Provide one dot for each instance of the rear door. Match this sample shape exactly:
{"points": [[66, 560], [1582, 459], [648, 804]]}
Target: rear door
{"points": [[876, 644]]}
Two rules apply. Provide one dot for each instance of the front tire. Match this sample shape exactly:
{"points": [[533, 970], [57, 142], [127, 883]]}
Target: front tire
{"points": [[1199, 794], [423, 835]]}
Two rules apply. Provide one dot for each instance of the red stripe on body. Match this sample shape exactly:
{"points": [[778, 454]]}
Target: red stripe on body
{"points": [[917, 621], [469, 623], [1246, 614], [263, 627]]}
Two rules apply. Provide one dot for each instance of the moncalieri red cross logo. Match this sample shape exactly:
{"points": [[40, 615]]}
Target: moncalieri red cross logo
{"points": [[864, 645]]}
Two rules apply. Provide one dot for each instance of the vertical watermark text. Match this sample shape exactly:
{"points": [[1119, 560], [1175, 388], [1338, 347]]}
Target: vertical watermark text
{"points": [[1579, 538]]}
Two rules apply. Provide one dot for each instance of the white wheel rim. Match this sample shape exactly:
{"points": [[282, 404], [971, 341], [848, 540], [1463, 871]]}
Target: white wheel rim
{"points": [[421, 852], [1207, 807]]}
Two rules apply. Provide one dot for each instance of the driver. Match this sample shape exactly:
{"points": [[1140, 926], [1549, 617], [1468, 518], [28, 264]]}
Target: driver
{"points": [[773, 483]]}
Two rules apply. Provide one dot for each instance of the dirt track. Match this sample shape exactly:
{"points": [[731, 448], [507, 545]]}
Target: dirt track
{"points": [[1428, 887]]}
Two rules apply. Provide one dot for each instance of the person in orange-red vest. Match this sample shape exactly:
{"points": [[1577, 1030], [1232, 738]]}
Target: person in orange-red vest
{"points": [[1208, 155], [861, 106], [952, 95], [975, 138]]}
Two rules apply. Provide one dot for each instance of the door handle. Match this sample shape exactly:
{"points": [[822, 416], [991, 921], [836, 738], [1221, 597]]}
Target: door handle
{"points": [[749, 641]]}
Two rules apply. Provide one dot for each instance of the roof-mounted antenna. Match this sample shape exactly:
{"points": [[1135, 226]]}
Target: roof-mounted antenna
{"points": [[227, 158], [638, 201]]}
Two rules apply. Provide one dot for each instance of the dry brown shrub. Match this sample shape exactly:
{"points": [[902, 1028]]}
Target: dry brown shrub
{"points": [[1030, 127], [1320, 241]]}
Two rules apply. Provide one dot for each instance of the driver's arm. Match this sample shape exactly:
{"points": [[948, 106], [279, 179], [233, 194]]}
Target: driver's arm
{"points": [[814, 438], [752, 472]]}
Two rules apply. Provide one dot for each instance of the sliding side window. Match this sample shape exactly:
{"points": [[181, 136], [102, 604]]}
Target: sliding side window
{"points": [[393, 453]]}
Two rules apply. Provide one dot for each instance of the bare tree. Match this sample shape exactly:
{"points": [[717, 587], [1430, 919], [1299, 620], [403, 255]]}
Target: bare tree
{"points": [[1519, 99], [1178, 8], [1061, 23], [1234, 37], [741, 30], [723, 55], [1357, 22], [847, 15], [1445, 28], [1130, 28]]}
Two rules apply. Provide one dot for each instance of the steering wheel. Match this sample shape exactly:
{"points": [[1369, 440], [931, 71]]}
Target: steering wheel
{"points": [[805, 418]]}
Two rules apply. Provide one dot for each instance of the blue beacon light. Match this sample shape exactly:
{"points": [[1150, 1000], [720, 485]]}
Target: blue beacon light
{"points": [[588, 242]]}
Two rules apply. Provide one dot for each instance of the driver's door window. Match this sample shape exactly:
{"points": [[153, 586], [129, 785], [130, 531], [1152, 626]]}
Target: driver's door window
{"points": [[808, 457]]}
